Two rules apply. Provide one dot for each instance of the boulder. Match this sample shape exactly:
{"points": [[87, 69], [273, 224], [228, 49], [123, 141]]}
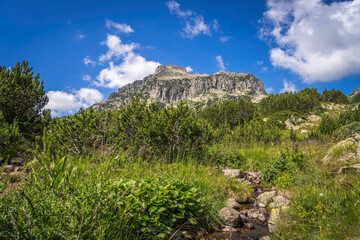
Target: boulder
{"points": [[249, 225], [274, 218], [233, 173], [228, 229], [257, 214], [265, 238], [265, 198], [343, 152], [279, 201], [230, 202], [231, 216]]}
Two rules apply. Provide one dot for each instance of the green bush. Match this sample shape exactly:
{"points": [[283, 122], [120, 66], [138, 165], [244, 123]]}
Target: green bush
{"points": [[334, 96], [296, 102], [231, 113], [255, 131], [11, 139]]}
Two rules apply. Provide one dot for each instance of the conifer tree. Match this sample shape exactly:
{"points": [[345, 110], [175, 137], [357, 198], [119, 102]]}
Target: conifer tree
{"points": [[22, 98]]}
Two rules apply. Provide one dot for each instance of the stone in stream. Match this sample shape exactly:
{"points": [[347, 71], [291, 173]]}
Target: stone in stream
{"points": [[231, 216], [279, 201], [230, 202], [265, 198], [233, 173], [228, 229], [265, 238], [244, 219], [257, 214], [249, 225]]}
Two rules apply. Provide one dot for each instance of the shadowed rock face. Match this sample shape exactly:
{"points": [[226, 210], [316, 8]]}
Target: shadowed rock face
{"points": [[172, 83]]}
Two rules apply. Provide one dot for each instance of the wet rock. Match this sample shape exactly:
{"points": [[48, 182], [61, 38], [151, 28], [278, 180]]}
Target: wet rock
{"points": [[243, 218], [244, 212], [230, 202], [228, 229], [10, 168], [233, 173], [279, 201], [249, 225], [265, 238], [257, 214], [231, 216], [265, 198]]}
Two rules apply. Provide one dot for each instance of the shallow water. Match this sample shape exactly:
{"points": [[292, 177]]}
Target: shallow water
{"points": [[243, 233]]}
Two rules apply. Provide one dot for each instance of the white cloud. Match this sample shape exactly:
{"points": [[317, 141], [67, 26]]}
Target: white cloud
{"points": [[116, 48], [288, 87], [80, 35], [221, 63], [86, 77], [120, 27], [134, 67], [174, 8], [64, 103], [189, 69], [194, 23], [259, 63], [318, 41], [269, 90], [195, 26], [224, 39], [264, 69], [87, 61]]}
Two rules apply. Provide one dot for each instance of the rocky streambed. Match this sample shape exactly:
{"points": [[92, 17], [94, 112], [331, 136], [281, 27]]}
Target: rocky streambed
{"points": [[254, 217]]}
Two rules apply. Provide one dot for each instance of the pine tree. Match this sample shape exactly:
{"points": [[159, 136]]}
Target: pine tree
{"points": [[22, 98]]}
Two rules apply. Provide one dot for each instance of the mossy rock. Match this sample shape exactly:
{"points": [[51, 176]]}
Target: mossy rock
{"points": [[343, 152]]}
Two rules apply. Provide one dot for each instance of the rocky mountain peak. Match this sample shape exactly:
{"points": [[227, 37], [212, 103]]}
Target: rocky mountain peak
{"points": [[171, 83], [170, 70]]}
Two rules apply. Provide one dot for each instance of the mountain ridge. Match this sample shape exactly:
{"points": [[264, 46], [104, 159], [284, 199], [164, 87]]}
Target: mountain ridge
{"points": [[171, 83]]}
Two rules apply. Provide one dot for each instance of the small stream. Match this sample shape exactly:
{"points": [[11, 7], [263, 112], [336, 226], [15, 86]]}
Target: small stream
{"points": [[243, 233]]}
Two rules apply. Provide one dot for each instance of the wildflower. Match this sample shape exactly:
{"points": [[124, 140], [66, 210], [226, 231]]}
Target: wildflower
{"points": [[321, 194], [143, 200], [27, 170], [72, 213], [61, 195], [98, 161], [42, 177], [22, 193]]}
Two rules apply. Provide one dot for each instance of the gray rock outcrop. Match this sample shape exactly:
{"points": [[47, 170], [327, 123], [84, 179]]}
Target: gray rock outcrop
{"points": [[172, 83]]}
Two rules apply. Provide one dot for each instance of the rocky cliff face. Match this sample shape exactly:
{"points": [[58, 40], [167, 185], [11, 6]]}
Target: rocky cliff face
{"points": [[173, 83], [354, 94]]}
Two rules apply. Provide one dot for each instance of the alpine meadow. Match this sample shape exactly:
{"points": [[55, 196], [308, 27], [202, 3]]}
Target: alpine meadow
{"points": [[172, 153]]}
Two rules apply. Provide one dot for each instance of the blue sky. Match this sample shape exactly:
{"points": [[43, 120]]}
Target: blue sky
{"points": [[84, 50]]}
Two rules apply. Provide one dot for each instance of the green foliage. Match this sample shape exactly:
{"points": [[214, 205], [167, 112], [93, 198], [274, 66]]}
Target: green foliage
{"points": [[297, 102], [140, 128], [328, 125], [346, 131], [22, 98], [11, 139], [256, 131], [231, 113], [334, 96], [311, 92]]}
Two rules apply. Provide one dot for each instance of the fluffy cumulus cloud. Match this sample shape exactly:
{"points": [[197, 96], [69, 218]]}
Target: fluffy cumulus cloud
{"points": [[224, 39], [116, 48], [87, 77], [288, 87], [221, 65], [62, 102], [194, 23], [189, 69], [132, 66], [269, 90], [318, 41], [120, 27], [80, 35]]}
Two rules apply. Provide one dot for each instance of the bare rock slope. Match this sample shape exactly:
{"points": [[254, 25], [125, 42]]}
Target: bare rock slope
{"points": [[172, 83]]}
